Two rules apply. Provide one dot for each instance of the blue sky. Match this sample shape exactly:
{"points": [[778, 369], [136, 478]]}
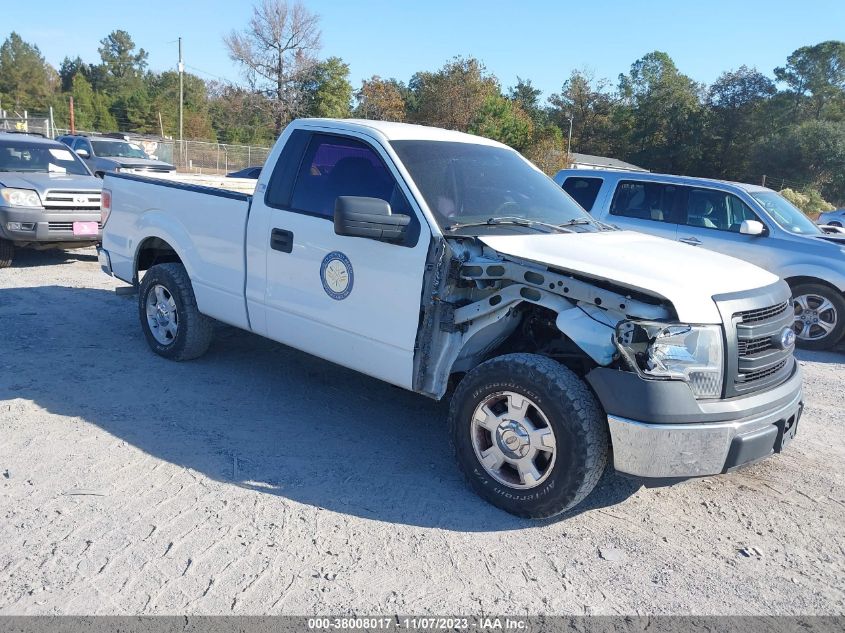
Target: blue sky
{"points": [[543, 41]]}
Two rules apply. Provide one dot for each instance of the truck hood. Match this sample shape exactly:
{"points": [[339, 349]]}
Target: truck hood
{"points": [[686, 276], [43, 181]]}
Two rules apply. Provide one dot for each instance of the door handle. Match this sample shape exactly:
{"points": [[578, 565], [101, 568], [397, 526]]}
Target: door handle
{"points": [[692, 241], [281, 240]]}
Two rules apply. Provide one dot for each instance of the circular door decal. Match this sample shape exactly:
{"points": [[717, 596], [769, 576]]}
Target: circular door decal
{"points": [[336, 275]]}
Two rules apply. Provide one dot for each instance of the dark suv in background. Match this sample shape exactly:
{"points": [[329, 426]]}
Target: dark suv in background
{"points": [[114, 152], [48, 196]]}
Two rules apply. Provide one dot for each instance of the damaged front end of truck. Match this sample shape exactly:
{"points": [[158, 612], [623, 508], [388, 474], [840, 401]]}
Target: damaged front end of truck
{"points": [[481, 303]]}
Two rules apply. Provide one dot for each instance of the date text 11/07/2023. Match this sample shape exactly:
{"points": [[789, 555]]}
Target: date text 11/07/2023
{"points": [[419, 623]]}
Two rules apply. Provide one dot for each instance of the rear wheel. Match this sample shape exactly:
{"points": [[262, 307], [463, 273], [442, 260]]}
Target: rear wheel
{"points": [[172, 323], [7, 253], [528, 434], [819, 316]]}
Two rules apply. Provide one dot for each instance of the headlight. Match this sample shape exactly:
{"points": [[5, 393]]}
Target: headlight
{"points": [[20, 197], [675, 351]]}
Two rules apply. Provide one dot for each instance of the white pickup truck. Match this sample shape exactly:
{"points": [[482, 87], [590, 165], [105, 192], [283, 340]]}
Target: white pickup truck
{"points": [[433, 259]]}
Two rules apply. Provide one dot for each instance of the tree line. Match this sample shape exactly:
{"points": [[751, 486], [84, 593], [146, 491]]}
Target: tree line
{"points": [[789, 127]]}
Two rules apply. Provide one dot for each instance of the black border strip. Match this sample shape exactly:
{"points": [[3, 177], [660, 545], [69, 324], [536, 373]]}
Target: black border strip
{"points": [[212, 191]]}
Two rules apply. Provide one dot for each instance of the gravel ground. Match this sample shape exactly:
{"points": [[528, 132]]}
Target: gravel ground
{"points": [[259, 480]]}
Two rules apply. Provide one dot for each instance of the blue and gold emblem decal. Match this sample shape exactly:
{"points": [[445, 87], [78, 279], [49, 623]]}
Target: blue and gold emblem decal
{"points": [[336, 275]]}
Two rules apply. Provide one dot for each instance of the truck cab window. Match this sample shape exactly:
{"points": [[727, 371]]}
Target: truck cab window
{"points": [[645, 200], [334, 166], [583, 190]]}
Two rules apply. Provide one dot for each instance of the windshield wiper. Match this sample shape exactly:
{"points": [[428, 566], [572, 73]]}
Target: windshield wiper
{"points": [[585, 221], [512, 221]]}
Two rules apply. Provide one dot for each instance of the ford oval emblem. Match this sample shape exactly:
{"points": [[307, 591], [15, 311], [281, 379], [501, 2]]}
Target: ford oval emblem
{"points": [[787, 338]]}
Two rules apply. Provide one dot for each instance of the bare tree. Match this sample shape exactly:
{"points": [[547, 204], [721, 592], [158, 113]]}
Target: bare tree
{"points": [[278, 54]]}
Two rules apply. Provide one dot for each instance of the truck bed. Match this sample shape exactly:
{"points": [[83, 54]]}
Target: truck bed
{"points": [[210, 221]]}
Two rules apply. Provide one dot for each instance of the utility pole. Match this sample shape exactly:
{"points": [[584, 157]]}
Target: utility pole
{"points": [[181, 100], [72, 124], [569, 145]]}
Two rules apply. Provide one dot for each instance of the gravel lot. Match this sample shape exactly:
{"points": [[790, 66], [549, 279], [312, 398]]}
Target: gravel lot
{"points": [[260, 480]]}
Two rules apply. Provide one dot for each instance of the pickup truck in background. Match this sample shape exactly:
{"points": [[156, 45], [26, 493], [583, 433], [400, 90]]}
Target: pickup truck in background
{"points": [[48, 198], [433, 259], [741, 220]]}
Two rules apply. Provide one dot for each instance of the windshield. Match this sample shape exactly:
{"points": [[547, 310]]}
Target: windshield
{"points": [[467, 183], [21, 156], [789, 217], [119, 149]]}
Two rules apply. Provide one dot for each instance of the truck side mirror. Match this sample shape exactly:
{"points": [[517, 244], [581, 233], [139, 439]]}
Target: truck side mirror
{"points": [[752, 227], [83, 153], [368, 217]]}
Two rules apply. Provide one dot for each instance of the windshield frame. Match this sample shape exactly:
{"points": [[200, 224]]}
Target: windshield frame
{"points": [[776, 216], [45, 147], [438, 156]]}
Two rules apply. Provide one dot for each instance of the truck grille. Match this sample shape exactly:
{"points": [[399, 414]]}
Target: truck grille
{"points": [[755, 345], [65, 226], [760, 361], [762, 314], [72, 200]]}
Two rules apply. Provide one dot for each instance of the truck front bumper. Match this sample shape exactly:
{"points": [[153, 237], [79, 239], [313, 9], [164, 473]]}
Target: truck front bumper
{"points": [[721, 436]]}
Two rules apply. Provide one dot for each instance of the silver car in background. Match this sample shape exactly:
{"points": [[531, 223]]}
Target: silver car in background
{"points": [[114, 153], [745, 221]]}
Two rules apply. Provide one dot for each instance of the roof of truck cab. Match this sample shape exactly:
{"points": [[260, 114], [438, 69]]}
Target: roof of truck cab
{"points": [[648, 176], [391, 131]]}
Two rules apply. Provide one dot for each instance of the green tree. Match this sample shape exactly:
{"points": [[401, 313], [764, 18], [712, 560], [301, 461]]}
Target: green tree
{"points": [[69, 69], [503, 120], [666, 111], [164, 96], [119, 58], [590, 105], [83, 103], [809, 155], [26, 80], [239, 115], [528, 97], [816, 74], [737, 117], [327, 90], [452, 96]]}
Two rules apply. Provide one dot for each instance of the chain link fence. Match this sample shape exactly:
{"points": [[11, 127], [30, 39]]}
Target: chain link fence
{"points": [[31, 125], [198, 157]]}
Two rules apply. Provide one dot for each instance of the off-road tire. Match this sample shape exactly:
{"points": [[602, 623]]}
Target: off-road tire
{"points": [[7, 253], [577, 419], [195, 330], [838, 301]]}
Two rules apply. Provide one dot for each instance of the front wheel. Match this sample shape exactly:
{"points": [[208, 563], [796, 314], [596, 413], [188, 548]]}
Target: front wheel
{"points": [[172, 323], [7, 253], [528, 435], [819, 321]]}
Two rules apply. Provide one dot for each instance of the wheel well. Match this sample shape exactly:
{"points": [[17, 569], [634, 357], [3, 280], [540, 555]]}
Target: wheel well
{"points": [[537, 333], [797, 281], [154, 251]]}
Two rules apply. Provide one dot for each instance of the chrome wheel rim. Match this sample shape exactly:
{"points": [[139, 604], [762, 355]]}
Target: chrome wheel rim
{"points": [[513, 440], [815, 317], [162, 316]]}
